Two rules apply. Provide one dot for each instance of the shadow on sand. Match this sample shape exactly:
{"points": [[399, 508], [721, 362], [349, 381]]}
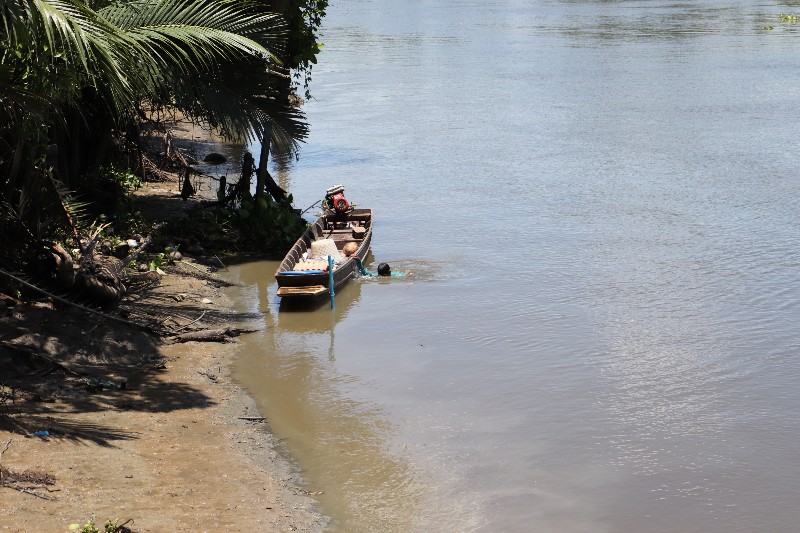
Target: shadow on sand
{"points": [[56, 362]]}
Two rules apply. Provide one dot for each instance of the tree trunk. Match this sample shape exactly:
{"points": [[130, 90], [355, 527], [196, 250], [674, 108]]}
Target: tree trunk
{"points": [[263, 160], [263, 178], [248, 167], [186, 189]]}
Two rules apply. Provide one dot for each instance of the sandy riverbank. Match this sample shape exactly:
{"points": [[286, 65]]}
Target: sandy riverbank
{"points": [[172, 450]]}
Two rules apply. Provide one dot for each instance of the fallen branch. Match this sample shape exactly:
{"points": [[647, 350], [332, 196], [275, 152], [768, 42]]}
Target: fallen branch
{"points": [[212, 377], [190, 323], [29, 490], [141, 248], [207, 335], [193, 266], [10, 479], [220, 262]]}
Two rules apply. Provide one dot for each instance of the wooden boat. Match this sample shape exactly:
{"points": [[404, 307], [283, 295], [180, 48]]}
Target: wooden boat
{"points": [[303, 272]]}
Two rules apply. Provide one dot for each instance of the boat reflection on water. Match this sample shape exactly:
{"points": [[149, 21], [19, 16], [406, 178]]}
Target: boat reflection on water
{"points": [[316, 317], [342, 445]]}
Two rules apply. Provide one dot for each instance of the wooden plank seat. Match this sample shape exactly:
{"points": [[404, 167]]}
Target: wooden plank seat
{"points": [[307, 290]]}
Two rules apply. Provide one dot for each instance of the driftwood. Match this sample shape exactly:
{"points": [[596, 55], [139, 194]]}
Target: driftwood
{"points": [[275, 190], [207, 335], [135, 254], [33, 480], [190, 323], [8, 444]]}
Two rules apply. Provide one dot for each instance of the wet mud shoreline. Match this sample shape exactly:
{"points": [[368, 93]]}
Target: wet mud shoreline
{"points": [[130, 429]]}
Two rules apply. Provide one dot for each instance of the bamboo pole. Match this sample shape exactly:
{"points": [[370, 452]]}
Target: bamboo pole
{"points": [[330, 281]]}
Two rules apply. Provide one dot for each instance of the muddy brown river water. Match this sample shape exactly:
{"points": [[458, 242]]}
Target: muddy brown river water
{"points": [[600, 204]]}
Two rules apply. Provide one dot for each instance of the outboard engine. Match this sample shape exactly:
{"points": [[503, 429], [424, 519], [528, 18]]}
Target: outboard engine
{"points": [[335, 200]]}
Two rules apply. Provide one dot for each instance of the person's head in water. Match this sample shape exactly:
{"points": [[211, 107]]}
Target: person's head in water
{"points": [[384, 270]]}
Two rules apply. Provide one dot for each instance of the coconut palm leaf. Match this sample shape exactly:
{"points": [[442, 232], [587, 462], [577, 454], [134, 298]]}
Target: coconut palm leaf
{"points": [[212, 63], [52, 48], [244, 100], [67, 32], [200, 49], [75, 212], [192, 36]]}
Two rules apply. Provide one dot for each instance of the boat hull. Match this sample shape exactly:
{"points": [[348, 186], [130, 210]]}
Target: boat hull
{"points": [[298, 285]]}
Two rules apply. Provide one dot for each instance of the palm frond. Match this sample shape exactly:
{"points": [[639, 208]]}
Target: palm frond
{"points": [[68, 34], [212, 63], [75, 212], [193, 35], [242, 18], [244, 101]]}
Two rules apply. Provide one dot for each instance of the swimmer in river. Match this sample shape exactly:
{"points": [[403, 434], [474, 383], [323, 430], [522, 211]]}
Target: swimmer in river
{"points": [[384, 269]]}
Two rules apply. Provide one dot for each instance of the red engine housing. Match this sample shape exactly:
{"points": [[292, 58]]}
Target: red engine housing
{"points": [[339, 203]]}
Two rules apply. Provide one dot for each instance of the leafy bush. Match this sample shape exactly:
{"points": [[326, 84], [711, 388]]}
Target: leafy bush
{"points": [[91, 527], [267, 229]]}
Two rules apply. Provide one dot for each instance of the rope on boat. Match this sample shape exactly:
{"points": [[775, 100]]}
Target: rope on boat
{"points": [[310, 207]]}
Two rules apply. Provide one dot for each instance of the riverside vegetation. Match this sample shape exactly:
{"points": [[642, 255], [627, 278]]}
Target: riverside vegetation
{"points": [[86, 87], [90, 94]]}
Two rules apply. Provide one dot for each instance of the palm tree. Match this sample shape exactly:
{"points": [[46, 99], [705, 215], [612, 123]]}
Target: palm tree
{"points": [[210, 60], [71, 74]]}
